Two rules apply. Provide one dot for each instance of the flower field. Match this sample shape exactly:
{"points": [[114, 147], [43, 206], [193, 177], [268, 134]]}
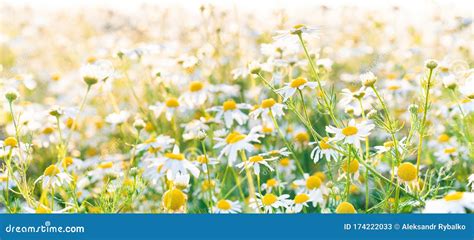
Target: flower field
{"points": [[237, 108]]}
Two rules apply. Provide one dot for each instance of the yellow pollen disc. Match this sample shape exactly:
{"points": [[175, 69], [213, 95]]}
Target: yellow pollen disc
{"points": [[42, 209], [174, 199], [407, 172], [172, 103], [224, 204], [345, 207], [450, 150], [55, 76], [388, 144], [301, 198], [267, 129], [353, 166], [256, 158], [207, 184], [175, 156], [48, 130], [443, 138], [269, 199], [320, 175], [393, 87], [105, 165], [202, 159], [195, 86], [454, 196], [268, 103], [52, 170], [298, 26], [302, 137], [150, 140], [285, 162], [67, 161], [10, 141], [3, 178], [298, 82], [349, 130], [323, 144], [234, 137], [229, 105], [272, 182], [353, 189], [69, 122], [313, 182]]}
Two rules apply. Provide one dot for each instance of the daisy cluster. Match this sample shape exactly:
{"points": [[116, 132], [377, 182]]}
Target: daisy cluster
{"points": [[219, 110]]}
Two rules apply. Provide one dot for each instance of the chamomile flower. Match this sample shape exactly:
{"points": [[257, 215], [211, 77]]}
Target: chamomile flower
{"points": [[267, 107], [345, 208], [174, 163], [313, 187], [53, 178], [170, 107], [272, 183], [235, 142], [454, 202], [156, 144], [92, 73], [230, 111], [174, 200], [297, 84], [323, 149], [256, 162], [300, 29], [286, 167], [196, 94], [195, 129], [270, 202], [299, 202], [408, 174], [226, 206], [117, 118], [446, 154], [353, 133]]}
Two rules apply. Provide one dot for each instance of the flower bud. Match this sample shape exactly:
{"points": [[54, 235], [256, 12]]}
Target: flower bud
{"points": [[413, 108], [368, 79], [139, 124], [431, 64], [11, 95], [56, 111]]}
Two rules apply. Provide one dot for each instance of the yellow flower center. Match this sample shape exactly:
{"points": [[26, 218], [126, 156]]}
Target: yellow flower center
{"points": [[67, 161], [266, 129], [256, 159], [42, 209], [234, 137], [268, 103], [443, 138], [272, 182], [172, 103], [301, 198], [202, 159], [302, 137], [48, 130], [195, 86], [450, 150], [313, 182], [298, 82], [323, 144], [349, 130], [285, 162], [393, 87], [353, 166], [345, 207], [229, 105], [298, 26], [454, 196], [269, 199], [69, 123], [52, 170], [388, 144], [224, 204], [105, 165], [208, 184], [3, 178], [320, 175], [407, 172], [174, 199], [175, 156], [10, 141]]}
